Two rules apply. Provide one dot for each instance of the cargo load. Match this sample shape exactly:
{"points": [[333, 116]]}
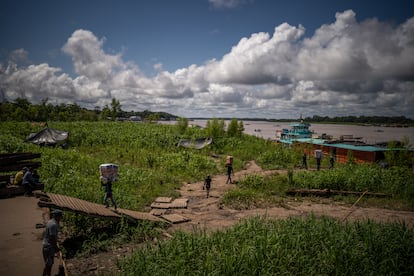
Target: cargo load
{"points": [[229, 160], [108, 172], [318, 154]]}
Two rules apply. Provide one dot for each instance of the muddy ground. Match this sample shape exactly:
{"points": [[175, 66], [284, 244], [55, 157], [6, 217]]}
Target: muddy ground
{"points": [[205, 213]]}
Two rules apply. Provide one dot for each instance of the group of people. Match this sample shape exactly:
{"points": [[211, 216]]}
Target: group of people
{"points": [[28, 178], [50, 245], [208, 180], [318, 158]]}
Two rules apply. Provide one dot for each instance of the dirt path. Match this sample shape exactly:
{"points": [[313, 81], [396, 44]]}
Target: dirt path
{"points": [[208, 213], [20, 241]]}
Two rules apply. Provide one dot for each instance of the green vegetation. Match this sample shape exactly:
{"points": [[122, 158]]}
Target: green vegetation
{"points": [[257, 191], [22, 110], [293, 246], [152, 165]]}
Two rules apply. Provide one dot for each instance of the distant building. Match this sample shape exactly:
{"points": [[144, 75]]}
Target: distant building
{"points": [[135, 118]]}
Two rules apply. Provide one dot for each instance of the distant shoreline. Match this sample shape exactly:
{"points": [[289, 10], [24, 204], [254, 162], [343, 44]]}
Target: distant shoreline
{"points": [[378, 124]]}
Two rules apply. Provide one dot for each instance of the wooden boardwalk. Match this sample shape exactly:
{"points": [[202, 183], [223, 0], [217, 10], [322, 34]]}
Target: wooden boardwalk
{"points": [[84, 207]]}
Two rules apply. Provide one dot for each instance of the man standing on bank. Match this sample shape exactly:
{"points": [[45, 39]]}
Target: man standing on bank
{"points": [[207, 185], [50, 244]]}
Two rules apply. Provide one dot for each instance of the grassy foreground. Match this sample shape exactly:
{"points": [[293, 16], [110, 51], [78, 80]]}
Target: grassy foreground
{"points": [[294, 246], [151, 165]]}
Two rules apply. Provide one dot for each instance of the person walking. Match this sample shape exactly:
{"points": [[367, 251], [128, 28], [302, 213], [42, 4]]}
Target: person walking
{"points": [[229, 173], [207, 185], [331, 161], [108, 194], [318, 157], [28, 182], [50, 241], [304, 161], [318, 163]]}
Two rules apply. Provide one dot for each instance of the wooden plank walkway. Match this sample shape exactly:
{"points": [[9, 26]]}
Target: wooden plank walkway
{"points": [[135, 215], [177, 203], [80, 206], [175, 218]]}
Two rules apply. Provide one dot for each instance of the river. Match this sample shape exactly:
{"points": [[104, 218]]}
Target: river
{"points": [[369, 134]]}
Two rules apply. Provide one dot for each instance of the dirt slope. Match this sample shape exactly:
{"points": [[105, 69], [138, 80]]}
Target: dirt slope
{"points": [[208, 213], [20, 241]]}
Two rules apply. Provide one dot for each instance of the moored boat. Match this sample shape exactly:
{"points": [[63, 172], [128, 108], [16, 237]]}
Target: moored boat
{"points": [[343, 149], [296, 131]]}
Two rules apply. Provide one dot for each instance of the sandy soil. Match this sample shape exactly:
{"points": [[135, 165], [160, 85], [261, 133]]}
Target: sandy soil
{"points": [[210, 214], [21, 241]]}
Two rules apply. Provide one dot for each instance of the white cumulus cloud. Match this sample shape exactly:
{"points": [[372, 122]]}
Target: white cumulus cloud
{"points": [[344, 67]]}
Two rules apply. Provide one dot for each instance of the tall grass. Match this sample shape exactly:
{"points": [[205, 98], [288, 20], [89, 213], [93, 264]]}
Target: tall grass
{"points": [[151, 165], [396, 181], [294, 246], [256, 191], [150, 162]]}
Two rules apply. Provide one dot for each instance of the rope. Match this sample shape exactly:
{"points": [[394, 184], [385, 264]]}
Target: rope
{"points": [[352, 210], [63, 263]]}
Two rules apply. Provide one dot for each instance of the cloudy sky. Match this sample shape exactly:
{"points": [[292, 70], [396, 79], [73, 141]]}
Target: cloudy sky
{"points": [[212, 58]]}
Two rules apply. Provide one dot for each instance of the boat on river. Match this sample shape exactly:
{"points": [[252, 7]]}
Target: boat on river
{"points": [[298, 130], [343, 149]]}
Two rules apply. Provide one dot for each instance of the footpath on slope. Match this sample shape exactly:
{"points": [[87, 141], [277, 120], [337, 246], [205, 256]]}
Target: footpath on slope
{"points": [[20, 240], [210, 214]]}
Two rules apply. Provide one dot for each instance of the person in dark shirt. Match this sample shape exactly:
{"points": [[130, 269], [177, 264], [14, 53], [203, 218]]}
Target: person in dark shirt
{"points": [[229, 173], [28, 182], [304, 161], [50, 243], [108, 194], [207, 185]]}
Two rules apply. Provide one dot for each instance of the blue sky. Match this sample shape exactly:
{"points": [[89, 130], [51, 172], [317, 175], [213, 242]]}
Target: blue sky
{"points": [[212, 58]]}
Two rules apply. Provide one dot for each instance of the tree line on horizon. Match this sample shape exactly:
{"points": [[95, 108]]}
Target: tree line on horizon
{"points": [[402, 120], [22, 110]]}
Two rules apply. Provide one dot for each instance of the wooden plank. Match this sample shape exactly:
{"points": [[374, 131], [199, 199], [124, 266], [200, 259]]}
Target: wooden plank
{"points": [[158, 212], [8, 158], [19, 165], [163, 199], [5, 178], [175, 218], [138, 215], [14, 190], [175, 204], [159, 205], [179, 203], [84, 207], [78, 206]]}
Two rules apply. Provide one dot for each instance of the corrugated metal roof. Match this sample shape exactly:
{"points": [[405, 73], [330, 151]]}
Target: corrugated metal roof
{"points": [[322, 142]]}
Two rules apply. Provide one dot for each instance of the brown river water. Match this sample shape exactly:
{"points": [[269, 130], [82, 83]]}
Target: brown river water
{"points": [[368, 134]]}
